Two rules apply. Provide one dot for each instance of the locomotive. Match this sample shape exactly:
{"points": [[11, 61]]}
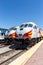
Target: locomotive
{"points": [[10, 35], [29, 33]]}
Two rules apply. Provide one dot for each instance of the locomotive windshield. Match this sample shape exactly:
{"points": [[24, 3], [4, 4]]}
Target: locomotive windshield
{"points": [[30, 25], [13, 29], [22, 25], [26, 25]]}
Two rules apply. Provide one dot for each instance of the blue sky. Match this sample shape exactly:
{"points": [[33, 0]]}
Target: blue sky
{"points": [[15, 12]]}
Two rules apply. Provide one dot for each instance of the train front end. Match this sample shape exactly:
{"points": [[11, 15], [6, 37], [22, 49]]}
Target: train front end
{"points": [[24, 33], [11, 35]]}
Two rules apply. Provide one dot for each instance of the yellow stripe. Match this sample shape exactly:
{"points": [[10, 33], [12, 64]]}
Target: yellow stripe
{"points": [[23, 58]]}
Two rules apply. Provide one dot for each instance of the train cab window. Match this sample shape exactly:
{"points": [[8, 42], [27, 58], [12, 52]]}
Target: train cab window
{"points": [[26, 25], [22, 25], [15, 29], [30, 25], [35, 27], [12, 29]]}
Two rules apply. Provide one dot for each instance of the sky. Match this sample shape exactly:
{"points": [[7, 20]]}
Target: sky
{"points": [[16, 12]]}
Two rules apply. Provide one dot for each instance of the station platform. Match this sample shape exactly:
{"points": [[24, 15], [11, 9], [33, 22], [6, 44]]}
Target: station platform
{"points": [[37, 57], [34, 56]]}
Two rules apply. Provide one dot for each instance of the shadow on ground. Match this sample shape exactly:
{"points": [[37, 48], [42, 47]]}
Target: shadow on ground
{"points": [[18, 47]]}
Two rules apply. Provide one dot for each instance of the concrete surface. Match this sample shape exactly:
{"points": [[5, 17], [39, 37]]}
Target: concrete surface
{"points": [[37, 58], [26, 56]]}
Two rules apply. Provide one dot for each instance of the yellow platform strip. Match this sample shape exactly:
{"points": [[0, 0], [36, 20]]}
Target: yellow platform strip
{"points": [[24, 57]]}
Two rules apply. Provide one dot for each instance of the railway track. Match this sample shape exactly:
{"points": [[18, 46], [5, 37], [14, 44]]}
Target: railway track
{"points": [[11, 55], [2, 45], [8, 55]]}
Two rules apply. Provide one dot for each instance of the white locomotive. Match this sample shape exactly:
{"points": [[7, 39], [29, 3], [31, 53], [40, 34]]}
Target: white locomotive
{"points": [[10, 35], [29, 32]]}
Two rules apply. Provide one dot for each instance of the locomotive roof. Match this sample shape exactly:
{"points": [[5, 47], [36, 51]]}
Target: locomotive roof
{"points": [[29, 23], [14, 27]]}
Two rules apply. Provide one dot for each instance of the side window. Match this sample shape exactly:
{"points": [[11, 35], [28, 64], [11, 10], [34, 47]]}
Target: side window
{"points": [[35, 27]]}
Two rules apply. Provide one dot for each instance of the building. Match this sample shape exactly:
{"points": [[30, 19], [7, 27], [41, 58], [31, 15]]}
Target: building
{"points": [[2, 33]]}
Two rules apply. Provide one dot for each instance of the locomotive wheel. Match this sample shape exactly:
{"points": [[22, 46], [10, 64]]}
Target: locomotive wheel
{"points": [[33, 42], [40, 38], [37, 40], [30, 43], [6, 42]]}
